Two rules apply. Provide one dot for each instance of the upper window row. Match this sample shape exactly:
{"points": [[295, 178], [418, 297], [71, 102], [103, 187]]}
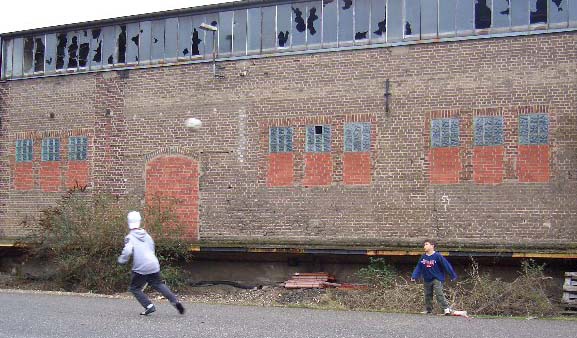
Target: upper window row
{"points": [[318, 138], [296, 26], [77, 149], [488, 130]]}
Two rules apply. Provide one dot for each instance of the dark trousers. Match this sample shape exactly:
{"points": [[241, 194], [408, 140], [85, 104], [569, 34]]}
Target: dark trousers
{"points": [[138, 282], [436, 287]]}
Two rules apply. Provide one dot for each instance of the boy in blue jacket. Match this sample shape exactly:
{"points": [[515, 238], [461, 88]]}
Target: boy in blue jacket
{"points": [[433, 267]]}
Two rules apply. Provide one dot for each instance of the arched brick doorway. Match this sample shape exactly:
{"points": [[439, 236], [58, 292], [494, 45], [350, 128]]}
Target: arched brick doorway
{"points": [[174, 180]]}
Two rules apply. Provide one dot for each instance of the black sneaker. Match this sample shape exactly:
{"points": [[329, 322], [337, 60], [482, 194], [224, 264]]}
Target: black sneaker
{"points": [[148, 311], [179, 307]]}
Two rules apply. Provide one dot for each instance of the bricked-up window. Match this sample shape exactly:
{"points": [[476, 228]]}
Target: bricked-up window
{"points": [[357, 137], [24, 150], [318, 139], [280, 140], [533, 129], [445, 133], [50, 149], [77, 148], [488, 130]]}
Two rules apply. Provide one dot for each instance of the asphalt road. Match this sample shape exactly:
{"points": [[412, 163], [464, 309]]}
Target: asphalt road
{"points": [[39, 315]]}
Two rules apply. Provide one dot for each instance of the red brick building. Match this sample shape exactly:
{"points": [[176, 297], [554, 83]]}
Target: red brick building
{"points": [[340, 126]]}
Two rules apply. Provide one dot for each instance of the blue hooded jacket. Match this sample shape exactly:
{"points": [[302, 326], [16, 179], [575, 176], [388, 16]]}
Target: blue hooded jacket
{"points": [[432, 267]]}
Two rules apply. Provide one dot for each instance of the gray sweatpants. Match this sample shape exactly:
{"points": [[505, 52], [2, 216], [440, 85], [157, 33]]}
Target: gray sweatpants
{"points": [[435, 286]]}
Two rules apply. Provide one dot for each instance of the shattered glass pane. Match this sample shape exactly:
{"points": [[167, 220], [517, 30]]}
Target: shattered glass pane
{"points": [[95, 55], [133, 40], [538, 11], [519, 13], [299, 25], [184, 37], [284, 22], [109, 45], [558, 11], [394, 20], [28, 62], [198, 45], [211, 19], [346, 10], [72, 51], [465, 19], [362, 19], [39, 49], [429, 19], [61, 52], [412, 24], [253, 30], [170, 38], [121, 46], [314, 23], [83, 48], [571, 8], [501, 13], [239, 32], [17, 57], [7, 50], [483, 14], [447, 16], [378, 20], [225, 32], [330, 28], [268, 28], [50, 54], [157, 40]]}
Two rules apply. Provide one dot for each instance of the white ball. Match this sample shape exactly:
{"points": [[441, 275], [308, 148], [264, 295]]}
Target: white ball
{"points": [[193, 123]]}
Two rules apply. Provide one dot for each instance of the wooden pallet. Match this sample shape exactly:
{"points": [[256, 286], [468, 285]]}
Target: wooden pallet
{"points": [[309, 280], [570, 293]]}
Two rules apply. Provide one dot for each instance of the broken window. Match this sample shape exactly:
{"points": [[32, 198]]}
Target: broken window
{"points": [[24, 150], [429, 19], [50, 149], [571, 8], [314, 24], [84, 49], [558, 13], [50, 53], [284, 22], [538, 12], [77, 148], [465, 18], [519, 13], [239, 32], [71, 59], [488, 130], [501, 13], [39, 49], [95, 55], [198, 37], [299, 25], [357, 137], [184, 36], [378, 20], [533, 129], [28, 62], [394, 20], [225, 32], [346, 9], [144, 46], [7, 51], [61, 52], [211, 19], [318, 139], [157, 41], [483, 14], [280, 140], [108, 46], [17, 57], [132, 42], [362, 19], [121, 40], [170, 39], [268, 28], [445, 133], [253, 30], [330, 28], [447, 17], [412, 19]]}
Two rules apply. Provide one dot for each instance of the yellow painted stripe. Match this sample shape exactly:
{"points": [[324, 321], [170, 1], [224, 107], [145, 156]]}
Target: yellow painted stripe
{"points": [[195, 248], [543, 255], [393, 253]]}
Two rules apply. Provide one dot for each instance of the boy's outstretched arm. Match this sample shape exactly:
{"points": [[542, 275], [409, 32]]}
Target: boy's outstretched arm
{"points": [[417, 272], [448, 268], [126, 251]]}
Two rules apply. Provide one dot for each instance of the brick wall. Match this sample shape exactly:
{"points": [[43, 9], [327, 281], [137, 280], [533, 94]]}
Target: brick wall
{"points": [[398, 192]]}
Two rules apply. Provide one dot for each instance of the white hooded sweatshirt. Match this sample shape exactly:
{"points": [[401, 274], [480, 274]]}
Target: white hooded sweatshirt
{"points": [[140, 245]]}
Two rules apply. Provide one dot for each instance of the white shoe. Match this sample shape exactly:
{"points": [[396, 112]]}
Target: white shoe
{"points": [[448, 311]]}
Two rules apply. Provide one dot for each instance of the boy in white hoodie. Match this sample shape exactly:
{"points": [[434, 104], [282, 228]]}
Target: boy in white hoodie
{"points": [[145, 266]]}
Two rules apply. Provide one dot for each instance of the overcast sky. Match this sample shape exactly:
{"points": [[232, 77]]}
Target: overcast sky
{"points": [[17, 15]]}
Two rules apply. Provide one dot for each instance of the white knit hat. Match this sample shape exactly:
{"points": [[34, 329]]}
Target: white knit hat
{"points": [[134, 220]]}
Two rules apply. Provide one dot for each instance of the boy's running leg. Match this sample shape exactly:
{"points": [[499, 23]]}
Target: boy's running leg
{"points": [[428, 291], [158, 285], [440, 295], [137, 283]]}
